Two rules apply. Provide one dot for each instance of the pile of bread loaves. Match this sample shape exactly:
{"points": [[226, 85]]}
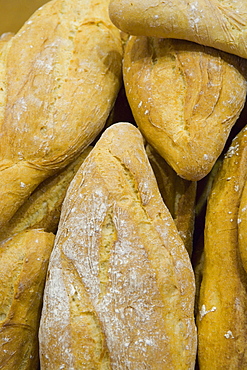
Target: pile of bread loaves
{"points": [[123, 196]]}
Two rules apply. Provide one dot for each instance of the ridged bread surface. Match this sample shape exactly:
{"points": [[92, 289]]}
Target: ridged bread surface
{"points": [[120, 288], [60, 75]]}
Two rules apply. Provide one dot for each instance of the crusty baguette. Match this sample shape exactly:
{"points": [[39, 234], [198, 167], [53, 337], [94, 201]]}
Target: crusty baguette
{"points": [[218, 24], [222, 320], [185, 98], [42, 209], [179, 196], [120, 287], [60, 75], [23, 265]]}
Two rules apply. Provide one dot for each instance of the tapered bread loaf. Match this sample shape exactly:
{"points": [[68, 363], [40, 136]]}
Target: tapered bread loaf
{"points": [[59, 75], [218, 24], [42, 209], [179, 196], [120, 287], [222, 320], [23, 266], [185, 99]]}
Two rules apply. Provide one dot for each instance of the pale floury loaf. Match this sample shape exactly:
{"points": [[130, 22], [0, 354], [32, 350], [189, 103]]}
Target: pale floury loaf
{"points": [[120, 287]]}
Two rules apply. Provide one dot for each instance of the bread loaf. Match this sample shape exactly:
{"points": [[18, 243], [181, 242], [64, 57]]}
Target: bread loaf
{"points": [[222, 320], [218, 24], [42, 209], [185, 98], [203, 191], [59, 75], [120, 287], [179, 196], [23, 265]]}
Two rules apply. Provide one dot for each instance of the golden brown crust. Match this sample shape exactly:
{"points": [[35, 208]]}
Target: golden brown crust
{"points": [[42, 209], [204, 190], [222, 318], [23, 265], [197, 258], [60, 75], [179, 196], [218, 24], [118, 254], [185, 98]]}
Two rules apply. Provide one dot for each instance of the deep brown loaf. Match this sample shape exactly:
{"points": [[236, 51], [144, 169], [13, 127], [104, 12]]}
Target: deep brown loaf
{"points": [[59, 75], [120, 287]]}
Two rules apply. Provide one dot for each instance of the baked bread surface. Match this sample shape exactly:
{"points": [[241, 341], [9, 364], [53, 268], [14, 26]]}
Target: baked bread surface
{"points": [[221, 319], [43, 208], [120, 288], [23, 266], [218, 24], [60, 75], [185, 99], [179, 195]]}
